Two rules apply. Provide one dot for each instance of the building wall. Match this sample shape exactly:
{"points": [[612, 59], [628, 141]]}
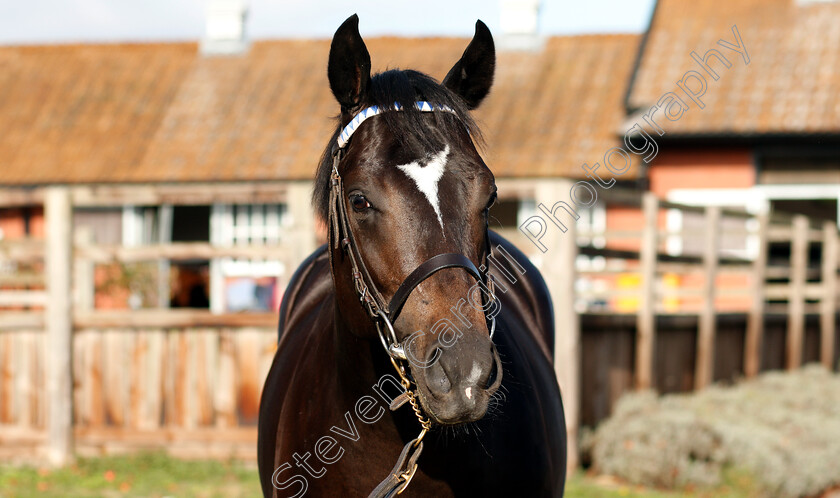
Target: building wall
{"points": [[684, 169], [696, 168]]}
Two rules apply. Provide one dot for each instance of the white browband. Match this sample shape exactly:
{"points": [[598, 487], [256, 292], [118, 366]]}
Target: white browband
{"points": [[372, 111]]}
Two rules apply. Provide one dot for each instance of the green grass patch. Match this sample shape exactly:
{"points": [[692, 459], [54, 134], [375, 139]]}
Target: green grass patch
{"points": [[146, 475], [158, 475]]}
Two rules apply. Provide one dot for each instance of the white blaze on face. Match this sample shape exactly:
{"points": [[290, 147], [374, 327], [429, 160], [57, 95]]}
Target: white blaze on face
{"points": [[427, 177]]}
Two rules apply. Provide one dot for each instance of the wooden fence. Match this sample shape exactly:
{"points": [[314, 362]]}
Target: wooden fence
{"points": [[655, 306], [74, 379], [193, 390], [793, 286]]}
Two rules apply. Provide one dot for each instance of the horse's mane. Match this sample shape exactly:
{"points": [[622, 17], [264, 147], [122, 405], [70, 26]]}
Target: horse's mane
{"points": [[410, 127]]}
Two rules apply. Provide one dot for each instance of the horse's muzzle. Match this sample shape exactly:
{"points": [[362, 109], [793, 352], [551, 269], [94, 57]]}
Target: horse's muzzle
{"points": [[457, 387]]}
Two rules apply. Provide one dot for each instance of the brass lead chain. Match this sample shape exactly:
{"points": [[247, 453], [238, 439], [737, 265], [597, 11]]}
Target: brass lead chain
{"points": [[425, 423]]}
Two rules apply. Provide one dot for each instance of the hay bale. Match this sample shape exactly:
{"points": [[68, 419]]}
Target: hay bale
{"points": [[783, 428]]}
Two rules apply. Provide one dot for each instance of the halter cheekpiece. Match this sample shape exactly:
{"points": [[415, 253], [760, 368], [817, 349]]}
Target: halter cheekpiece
{"points": [[384, 313]]}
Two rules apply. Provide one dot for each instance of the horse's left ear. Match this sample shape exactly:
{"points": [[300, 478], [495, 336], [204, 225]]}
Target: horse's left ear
{"points": [[472, 76]]}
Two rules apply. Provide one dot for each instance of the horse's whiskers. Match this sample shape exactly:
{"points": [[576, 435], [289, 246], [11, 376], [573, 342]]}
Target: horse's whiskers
{"points": [[494, 405]]}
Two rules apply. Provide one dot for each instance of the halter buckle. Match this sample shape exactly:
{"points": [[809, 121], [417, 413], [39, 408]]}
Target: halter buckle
{"points": [[408, 476]]}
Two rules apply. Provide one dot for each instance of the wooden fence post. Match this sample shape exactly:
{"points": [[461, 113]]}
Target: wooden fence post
{"points": [[828, 304], [560, 275], [645, 318], [704, 367], [796, 296], [166, 214], [755, 320], [59, 376]]}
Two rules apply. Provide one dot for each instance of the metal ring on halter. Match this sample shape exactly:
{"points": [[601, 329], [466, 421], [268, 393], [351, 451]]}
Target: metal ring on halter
{"points": [[392, 346], [491, 287]]}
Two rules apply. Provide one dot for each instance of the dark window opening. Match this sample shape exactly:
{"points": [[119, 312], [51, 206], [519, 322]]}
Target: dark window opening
{"points": [[27, 221], [190, 280], [191, 224], [190, 285], [816, 209]]}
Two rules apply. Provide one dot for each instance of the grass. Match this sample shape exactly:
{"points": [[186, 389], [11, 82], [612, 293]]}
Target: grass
{"points": [[157, 475], [146, 475]]}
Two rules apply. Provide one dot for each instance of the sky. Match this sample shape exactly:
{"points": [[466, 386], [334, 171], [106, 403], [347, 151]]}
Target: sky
{"points": [[68, 21]]}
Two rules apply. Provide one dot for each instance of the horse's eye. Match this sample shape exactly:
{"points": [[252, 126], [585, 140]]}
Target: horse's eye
{"points": [[359, 202]]}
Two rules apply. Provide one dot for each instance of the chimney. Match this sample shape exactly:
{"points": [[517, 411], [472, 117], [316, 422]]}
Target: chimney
{"points": [[519, 23], [224, 29]]}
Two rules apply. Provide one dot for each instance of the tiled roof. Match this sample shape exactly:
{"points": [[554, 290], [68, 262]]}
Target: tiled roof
{"points": [[163, 113], [84, 113], [551, 111], [790, 85]]}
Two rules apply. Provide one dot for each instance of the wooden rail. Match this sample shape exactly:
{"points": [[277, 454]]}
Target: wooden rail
{"points": [[21, 250], [178, 251], [168, 319]]}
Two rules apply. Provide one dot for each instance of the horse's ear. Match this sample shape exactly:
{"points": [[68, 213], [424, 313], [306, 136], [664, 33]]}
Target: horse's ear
{"points": [[472, 76], [349, 65]]}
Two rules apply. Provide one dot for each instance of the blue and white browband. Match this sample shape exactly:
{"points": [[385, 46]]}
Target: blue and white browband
{"points": [[372, 111]]}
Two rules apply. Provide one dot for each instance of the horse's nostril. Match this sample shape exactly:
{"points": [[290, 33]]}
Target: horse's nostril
{"points": [[437, 380], [434, 356]]}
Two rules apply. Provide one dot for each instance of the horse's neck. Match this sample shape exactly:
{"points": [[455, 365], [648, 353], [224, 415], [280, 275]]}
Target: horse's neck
{"points": [[357, 367], [360, 361]]}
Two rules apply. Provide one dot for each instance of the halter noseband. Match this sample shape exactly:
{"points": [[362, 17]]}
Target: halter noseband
{"points": [[381, 312]]}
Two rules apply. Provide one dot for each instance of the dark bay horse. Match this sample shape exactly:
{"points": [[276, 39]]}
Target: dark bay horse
{"points": [[467, 326]]}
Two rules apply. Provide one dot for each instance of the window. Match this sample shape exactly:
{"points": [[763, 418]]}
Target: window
{"points": [[190, 224], [252, 284], [103, 225]]}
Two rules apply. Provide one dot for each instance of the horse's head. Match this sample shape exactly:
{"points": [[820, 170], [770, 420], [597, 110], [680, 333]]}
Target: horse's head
{"points": [[404, 185]]}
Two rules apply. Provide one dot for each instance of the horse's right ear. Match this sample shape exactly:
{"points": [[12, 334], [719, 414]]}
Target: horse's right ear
{"points": [[349, 65]]}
